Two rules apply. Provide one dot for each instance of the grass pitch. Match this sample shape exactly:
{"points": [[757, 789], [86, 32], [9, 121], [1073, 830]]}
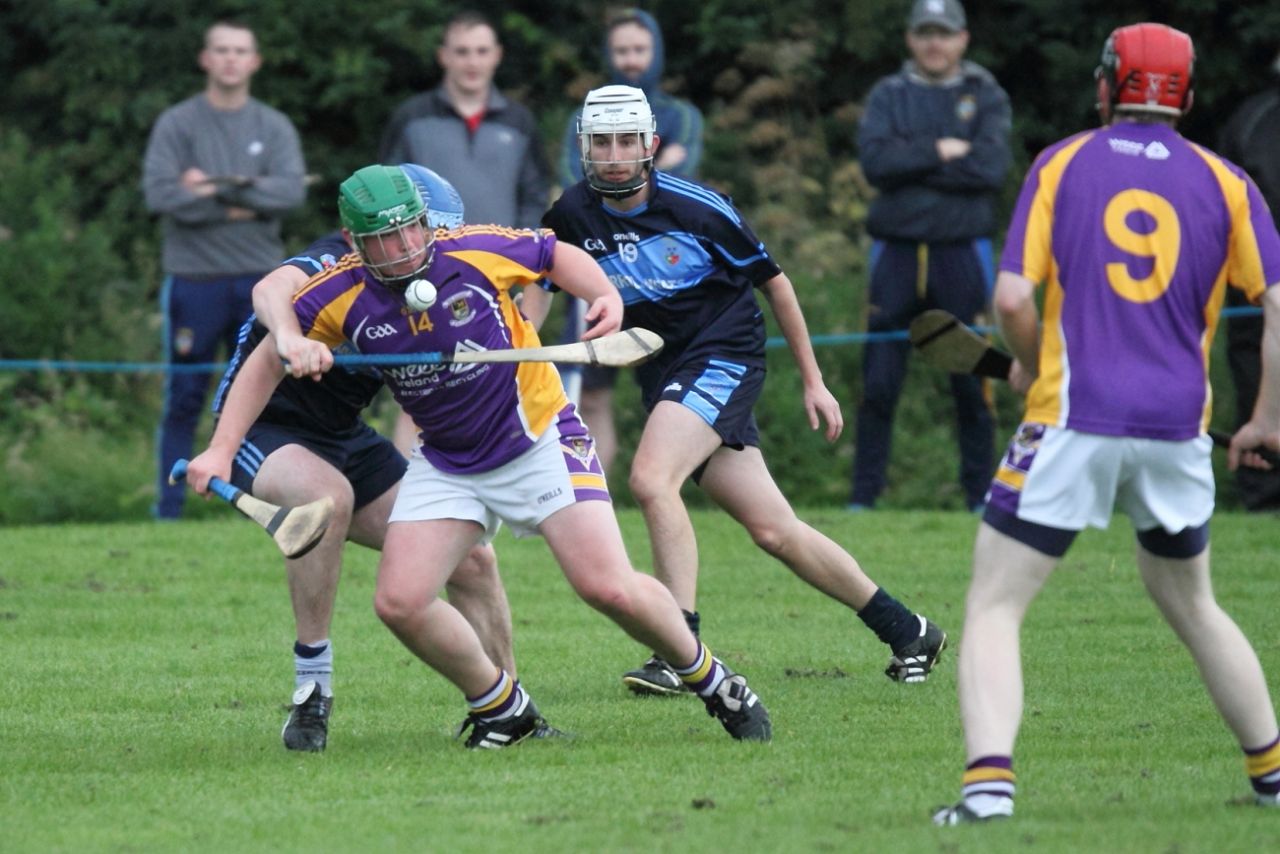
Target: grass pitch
{"points": [[147, 670]]}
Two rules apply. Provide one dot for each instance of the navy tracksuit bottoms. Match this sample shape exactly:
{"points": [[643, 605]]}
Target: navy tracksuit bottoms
{"points": [[906, 279]]}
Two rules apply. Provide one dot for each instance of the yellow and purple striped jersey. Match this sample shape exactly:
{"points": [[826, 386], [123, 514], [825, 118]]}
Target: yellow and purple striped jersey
{"points": [[1135, 233], [472, 418]]}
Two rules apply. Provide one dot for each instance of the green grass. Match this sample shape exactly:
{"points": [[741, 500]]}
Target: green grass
{"points": [[146, 668]]}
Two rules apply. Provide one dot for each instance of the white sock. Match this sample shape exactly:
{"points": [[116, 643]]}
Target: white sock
{"points": [[314, 663]]}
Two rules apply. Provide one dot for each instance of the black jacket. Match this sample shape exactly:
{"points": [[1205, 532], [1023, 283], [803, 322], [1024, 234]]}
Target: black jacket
{"points": [[922, 199], [1250, 141]]}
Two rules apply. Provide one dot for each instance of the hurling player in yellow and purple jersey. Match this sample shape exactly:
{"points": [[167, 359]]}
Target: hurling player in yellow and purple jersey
{"points": [[497, 442], [1134, 233], [308, 441]]}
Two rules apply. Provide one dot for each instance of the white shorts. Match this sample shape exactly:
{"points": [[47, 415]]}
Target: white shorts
{"points": [[1065, 479], [556, 472]]}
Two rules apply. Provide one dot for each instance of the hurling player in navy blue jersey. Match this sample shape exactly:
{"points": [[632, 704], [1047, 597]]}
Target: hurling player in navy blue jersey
{"points": [[688, 267], [310, 441]]}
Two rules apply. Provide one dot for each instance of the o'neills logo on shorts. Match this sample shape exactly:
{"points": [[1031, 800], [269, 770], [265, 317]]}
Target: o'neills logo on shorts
{"points": [[547, 496]]}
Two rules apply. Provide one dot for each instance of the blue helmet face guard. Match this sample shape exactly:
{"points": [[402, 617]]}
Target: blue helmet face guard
{"points": [[444, 205]]}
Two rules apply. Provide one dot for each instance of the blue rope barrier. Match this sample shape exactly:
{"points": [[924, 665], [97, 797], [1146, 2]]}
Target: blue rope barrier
{"points": [[830, 340]]}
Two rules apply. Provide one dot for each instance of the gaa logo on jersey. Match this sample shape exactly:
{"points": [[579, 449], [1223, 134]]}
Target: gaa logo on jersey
{"points": [[460, 310], [966, 108]]}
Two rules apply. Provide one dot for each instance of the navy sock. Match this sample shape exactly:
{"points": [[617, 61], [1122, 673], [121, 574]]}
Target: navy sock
{"points": [[890, 620]]}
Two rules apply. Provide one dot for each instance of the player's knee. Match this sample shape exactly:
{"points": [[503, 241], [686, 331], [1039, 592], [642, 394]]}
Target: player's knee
{"points": [[397, 606], [608, 597], [774, 537], [344, 506], [477, 572], [769, 537], [648, 487]]}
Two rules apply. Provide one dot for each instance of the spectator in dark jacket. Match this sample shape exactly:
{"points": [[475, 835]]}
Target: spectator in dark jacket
{"points": [[1249, 141], [471, 134], [934, 140]]}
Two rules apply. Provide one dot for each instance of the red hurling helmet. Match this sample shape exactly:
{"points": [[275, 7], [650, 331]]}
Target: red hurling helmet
{"points": [[1146, 68]]}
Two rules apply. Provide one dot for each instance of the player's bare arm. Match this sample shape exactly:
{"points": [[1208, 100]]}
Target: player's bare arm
{"points": [[819, 402], [577, 273], [1263, 428], [1019, 323], [247, 397], [273, 305], [535, 305]]}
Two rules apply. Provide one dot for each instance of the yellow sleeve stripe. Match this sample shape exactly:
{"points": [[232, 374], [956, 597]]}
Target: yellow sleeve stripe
{"points": [[500, 270], [1040, 266], [1046, 400], [1212, 311], [501, 231], [1037, 251], [1244, 266], [328, 325], [347, 262]]}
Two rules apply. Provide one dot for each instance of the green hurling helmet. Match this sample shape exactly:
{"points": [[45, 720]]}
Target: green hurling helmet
{"points": [[386, 217]]}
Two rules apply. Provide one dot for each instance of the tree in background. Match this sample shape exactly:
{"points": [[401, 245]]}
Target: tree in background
{"points": [[781, 86]]}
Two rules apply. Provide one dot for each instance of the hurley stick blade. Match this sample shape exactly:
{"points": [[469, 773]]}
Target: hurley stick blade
{"points": [[946, 343], [624, 349], [296, 530]]}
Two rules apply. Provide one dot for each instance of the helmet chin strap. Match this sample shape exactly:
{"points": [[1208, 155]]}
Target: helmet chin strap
{"points": [[618, 192], [397, 284]]}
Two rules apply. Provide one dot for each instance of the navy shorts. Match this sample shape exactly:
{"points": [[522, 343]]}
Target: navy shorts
{"points": [[366, 458], [722, 392]]}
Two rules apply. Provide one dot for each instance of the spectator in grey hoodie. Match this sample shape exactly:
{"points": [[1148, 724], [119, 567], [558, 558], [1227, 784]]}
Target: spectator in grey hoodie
{"points": [[222, 169]]}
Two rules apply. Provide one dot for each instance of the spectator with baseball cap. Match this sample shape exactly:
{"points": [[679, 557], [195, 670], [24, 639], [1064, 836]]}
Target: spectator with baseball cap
{"points": [[934, 140], [947, 14]]}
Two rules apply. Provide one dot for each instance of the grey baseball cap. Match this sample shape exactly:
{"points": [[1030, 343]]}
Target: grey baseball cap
{"points": [[948, 14]]}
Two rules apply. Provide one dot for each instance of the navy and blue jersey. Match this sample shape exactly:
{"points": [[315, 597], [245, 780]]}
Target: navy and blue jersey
{"points": [[686, 263], [331, 406], [321, 255]]}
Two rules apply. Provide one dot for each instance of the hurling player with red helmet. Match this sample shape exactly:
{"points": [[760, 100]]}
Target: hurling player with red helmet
{"points": [[1134, 234]]}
